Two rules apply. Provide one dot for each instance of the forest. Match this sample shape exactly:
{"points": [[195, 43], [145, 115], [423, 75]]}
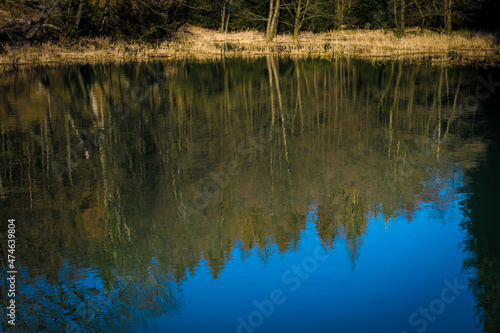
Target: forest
{"points": [[149, 20]]}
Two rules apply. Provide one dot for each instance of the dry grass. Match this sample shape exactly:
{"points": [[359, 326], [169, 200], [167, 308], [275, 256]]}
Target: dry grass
{"points": [[460, 47], [194, 42], [84, 50]]}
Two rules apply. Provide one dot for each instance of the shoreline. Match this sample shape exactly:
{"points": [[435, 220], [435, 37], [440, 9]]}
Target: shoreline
{"points": [[459, 48]]}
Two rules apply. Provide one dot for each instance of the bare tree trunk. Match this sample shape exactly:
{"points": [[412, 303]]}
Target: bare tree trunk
{"points": [[105, 16], [340, 15], [272, 20], [78, 16], [223, 16], [227, 21], [68, 16], [396, 17], [448, 27], [224, 21], [422, 16], [402, 17], [274, 23], [297, 20], [399, 17], [269, 18]]}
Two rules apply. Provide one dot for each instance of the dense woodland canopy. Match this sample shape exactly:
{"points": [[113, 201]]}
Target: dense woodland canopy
{"points": [[149, 20]]}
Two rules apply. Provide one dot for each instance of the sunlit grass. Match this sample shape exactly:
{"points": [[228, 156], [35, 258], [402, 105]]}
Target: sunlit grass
{"points": [[367, 44], [461, 47]]}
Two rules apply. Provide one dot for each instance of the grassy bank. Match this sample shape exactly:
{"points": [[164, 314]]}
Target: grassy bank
{"points": [[192, 42]]}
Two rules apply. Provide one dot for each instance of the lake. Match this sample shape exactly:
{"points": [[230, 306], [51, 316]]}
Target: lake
{"points": [[263, 195]]}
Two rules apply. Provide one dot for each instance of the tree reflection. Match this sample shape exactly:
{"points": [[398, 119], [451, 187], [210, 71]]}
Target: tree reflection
{"points": [[144, 170], [481, 215], [78, 302]]}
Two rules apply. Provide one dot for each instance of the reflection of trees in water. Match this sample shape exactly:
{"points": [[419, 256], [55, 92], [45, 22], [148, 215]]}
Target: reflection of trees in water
{"points": [[343, 214], [78, 302], [113, 156], [482, 209]]}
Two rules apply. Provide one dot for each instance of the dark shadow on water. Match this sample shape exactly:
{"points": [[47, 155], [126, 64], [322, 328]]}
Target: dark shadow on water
{"points": [[483, 227]]}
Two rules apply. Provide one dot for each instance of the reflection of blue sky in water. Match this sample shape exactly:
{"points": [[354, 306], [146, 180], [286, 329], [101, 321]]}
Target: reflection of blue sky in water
{"points": [[401, 266], [78, 297], [104, 245], [79, 302]]}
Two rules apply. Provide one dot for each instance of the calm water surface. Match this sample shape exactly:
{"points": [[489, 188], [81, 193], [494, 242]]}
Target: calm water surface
{"points": [[252, 196]]}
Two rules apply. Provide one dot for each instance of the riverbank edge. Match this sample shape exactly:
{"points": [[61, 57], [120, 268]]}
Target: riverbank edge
{"points": [[459, 48]]}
